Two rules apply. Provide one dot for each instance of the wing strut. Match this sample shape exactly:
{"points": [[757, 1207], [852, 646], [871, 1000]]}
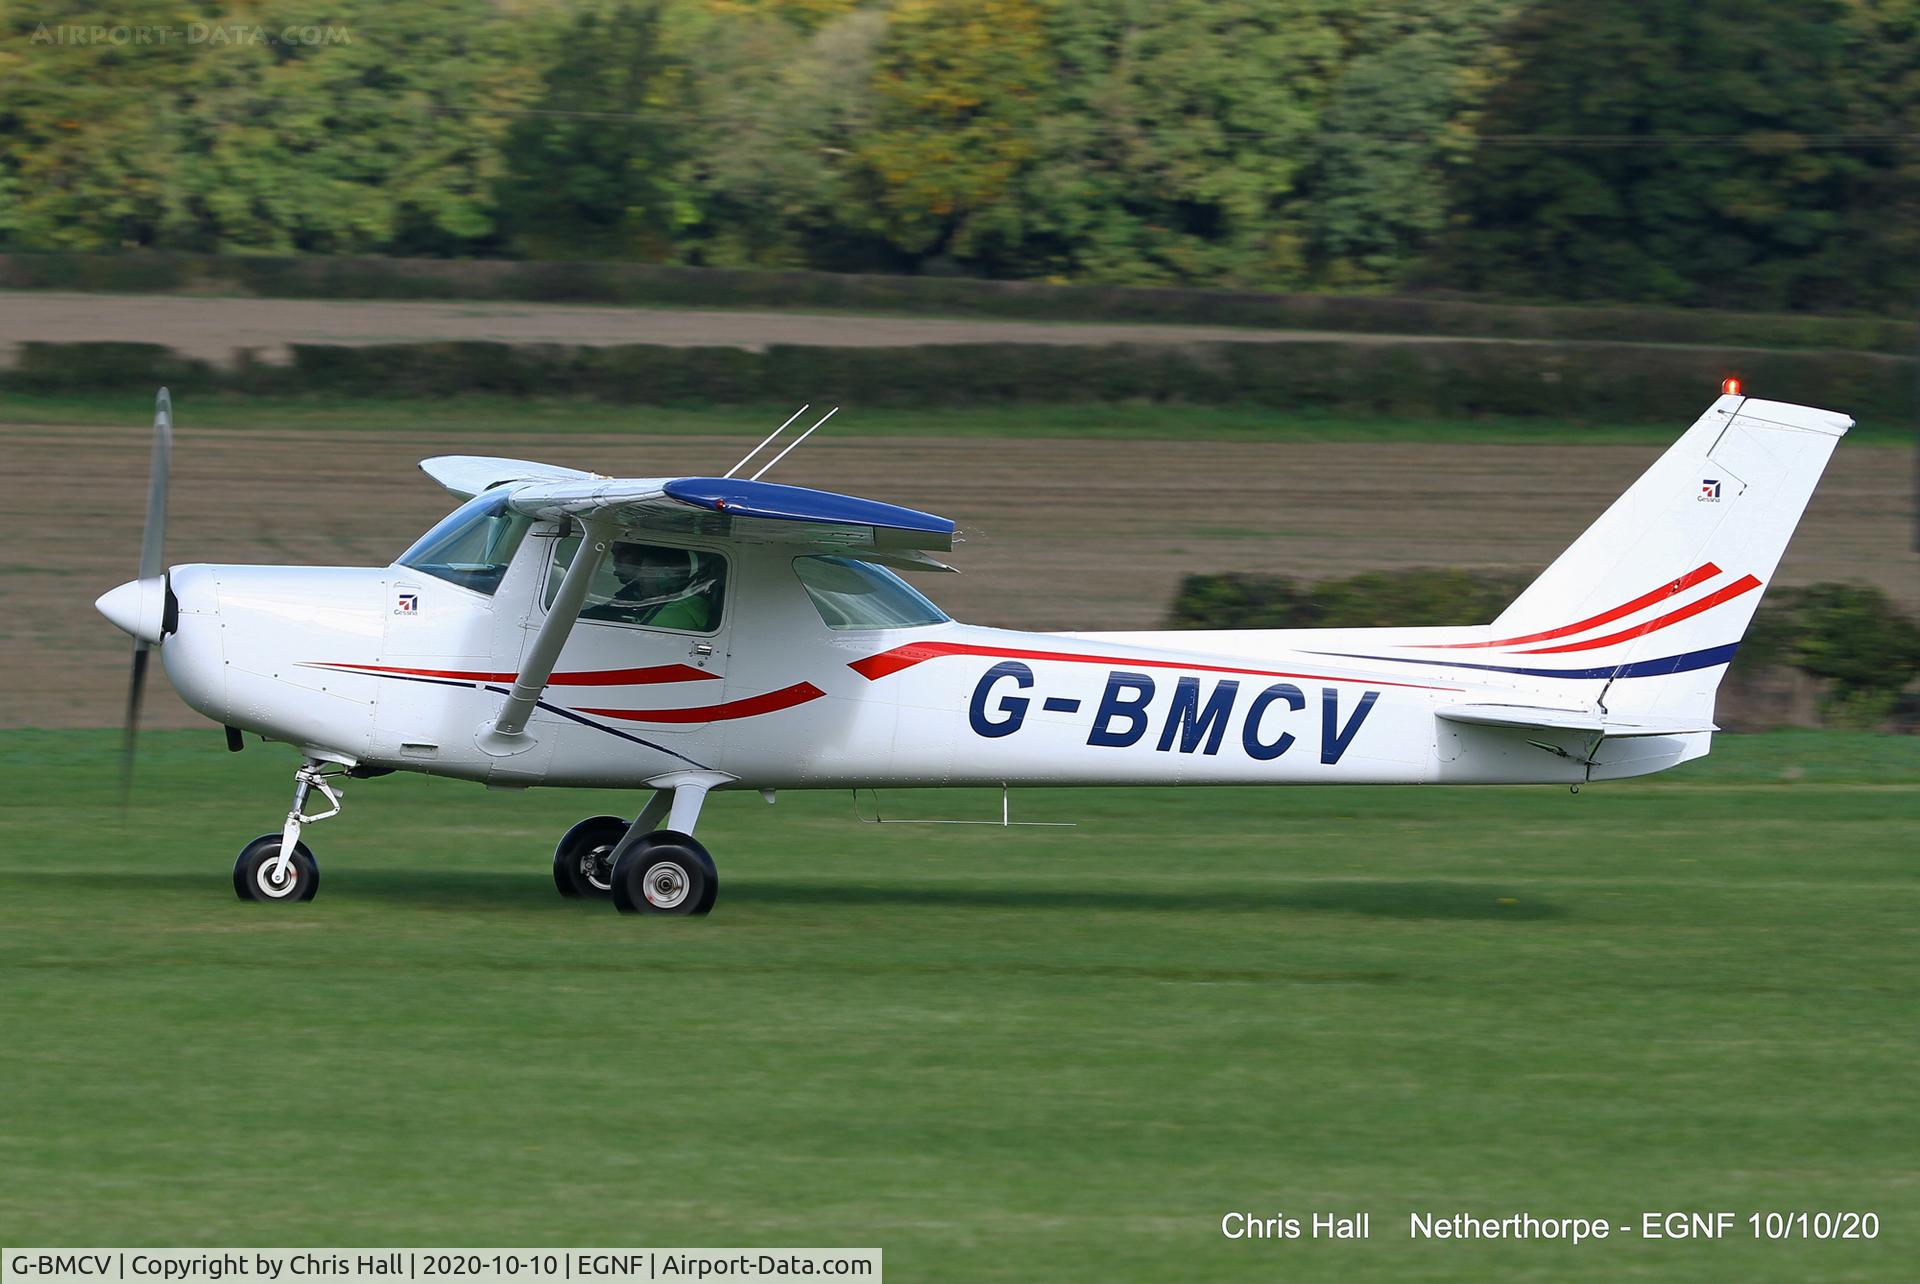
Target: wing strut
{"points": [[508, 734]]}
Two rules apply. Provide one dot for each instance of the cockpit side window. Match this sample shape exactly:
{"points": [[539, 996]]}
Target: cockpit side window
{"points": [[473, 545], [654, 585], [851, 594]]}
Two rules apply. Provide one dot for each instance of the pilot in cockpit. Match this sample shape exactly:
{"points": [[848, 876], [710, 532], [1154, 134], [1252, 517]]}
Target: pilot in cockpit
{"points": [[660, 587]]}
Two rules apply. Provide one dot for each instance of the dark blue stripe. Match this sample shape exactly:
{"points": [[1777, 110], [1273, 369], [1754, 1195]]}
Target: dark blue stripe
{"points": [[550, 708], [1666, 664], [601, 726]]}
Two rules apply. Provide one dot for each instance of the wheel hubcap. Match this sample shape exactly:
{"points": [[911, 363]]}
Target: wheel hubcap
{"points": [[278, 889], [667, 885]]}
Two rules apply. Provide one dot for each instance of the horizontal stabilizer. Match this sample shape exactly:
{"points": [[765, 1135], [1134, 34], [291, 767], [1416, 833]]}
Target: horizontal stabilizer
{"points": [[1593, 721]]}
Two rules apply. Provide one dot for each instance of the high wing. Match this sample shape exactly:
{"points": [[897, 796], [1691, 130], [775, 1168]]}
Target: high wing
{"points": [[714, 507], [747, 511], [469, 475]]}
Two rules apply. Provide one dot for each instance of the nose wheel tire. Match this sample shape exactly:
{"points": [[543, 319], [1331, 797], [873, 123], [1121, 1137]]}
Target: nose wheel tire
{"points": [[665, 873], [583, 862], [254, 872]]}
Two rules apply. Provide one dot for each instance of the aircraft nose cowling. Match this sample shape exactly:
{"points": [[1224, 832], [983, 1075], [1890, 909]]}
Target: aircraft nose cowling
{"points": [[138, 607]]}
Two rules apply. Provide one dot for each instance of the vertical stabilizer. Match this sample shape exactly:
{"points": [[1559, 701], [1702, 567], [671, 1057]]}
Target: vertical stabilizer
{"points": [[1660, 590]]}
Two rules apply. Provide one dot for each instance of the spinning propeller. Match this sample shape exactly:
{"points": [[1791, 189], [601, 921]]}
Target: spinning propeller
{"points": [[140, 606]]}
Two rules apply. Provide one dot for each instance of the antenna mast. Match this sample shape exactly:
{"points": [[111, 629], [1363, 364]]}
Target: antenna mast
{"points": [[763, 445], [790, 445]]}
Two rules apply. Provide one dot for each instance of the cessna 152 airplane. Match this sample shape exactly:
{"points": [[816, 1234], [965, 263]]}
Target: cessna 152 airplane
{"points": [[687, 634]]}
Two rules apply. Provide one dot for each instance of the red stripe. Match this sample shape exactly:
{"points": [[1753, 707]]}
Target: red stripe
{"points": [[875, 667], [1660, 594], [648, 676], [769, 702], [1745, 584], [585, 678]]}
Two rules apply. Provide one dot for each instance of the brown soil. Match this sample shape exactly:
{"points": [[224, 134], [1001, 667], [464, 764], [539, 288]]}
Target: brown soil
{"points": [[213, 328], [1067, 534]]}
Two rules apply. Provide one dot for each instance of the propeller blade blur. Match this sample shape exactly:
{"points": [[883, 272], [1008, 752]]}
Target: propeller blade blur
{"points": [[153, 538], [136, 692], [153, 541]]}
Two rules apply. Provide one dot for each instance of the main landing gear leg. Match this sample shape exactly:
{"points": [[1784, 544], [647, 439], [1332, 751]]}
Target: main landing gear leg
{"points": [[279, 867], [583, 862], [665, 871]]}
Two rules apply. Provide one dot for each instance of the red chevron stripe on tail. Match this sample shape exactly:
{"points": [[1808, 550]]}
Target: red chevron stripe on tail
{"points": [[1697, 575]]}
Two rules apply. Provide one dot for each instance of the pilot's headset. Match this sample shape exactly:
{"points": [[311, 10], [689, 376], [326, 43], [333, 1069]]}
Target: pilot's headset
{"points": [[693, 585], [672, 585]]}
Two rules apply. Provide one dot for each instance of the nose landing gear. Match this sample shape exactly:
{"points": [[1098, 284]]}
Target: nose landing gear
{"points": [[279, 867], [258, 876]]}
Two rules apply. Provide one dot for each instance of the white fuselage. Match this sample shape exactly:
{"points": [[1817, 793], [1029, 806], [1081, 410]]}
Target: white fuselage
{"points": [[387, 667]]}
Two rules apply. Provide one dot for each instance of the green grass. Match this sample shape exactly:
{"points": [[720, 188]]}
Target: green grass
{"points": [[1020, 1054], [479, 415]]}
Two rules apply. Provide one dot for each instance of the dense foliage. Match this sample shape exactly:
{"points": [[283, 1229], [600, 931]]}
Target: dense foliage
{"points": [[1774, 187], [1850, 636], [1686, 151], [1558, 386]]}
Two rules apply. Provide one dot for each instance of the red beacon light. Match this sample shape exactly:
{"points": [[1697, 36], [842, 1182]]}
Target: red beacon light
{"points": [[1730, 385]]}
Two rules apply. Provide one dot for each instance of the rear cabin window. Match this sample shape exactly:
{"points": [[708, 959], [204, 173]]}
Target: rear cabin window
{"points": [[851, 594], [654, 585], [473, 545]]}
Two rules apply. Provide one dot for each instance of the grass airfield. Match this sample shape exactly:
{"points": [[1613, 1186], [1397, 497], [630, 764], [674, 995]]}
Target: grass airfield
{"points": [[997, 1054]]}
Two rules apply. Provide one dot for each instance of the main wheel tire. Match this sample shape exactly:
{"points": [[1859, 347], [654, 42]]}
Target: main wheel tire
{"points": [[253, 872], [665, 873], [582, 864]]}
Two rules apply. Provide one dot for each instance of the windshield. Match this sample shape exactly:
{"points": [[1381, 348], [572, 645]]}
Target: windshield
{"points": [[851, 594], [472, 545]]}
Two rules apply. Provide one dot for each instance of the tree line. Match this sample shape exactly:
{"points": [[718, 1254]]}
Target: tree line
{"points": [[1673, 151]]}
